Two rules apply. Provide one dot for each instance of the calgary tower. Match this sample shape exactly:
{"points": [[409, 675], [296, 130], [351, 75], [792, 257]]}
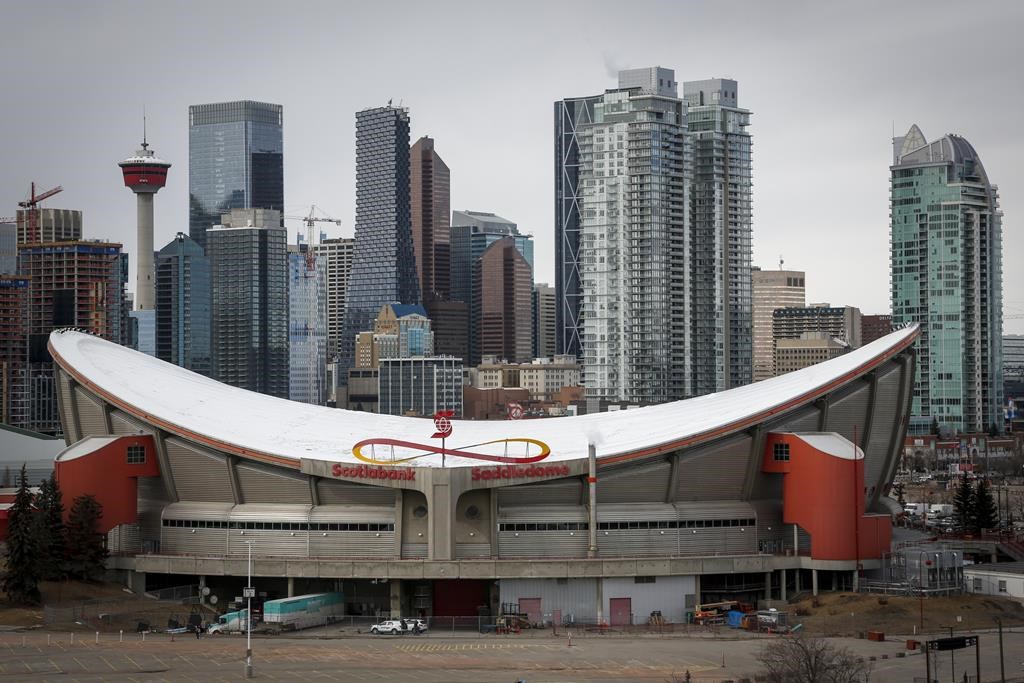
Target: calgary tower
{"points": [[145, 173]]}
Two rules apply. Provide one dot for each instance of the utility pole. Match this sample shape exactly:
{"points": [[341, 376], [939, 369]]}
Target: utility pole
{"points": [[248, 617]]}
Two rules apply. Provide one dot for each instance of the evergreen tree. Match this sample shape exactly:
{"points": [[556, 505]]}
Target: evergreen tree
{"points": [[86, 551], [50, 529], [985, 514], [21, 576], [963, 505], [935, 426], [899, 490]]}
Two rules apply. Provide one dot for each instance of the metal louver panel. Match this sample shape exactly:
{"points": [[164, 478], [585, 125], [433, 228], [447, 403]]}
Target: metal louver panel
{"points": [[352, 544], [67, 401], [352, 513], [124, 538], [260, 484], [345, 493], [559, 492], [634, 485], [269, 512], [198, 475], [152, 498], [544, 513], [90, 414], [634, 511], [804, 420], [465, 551], [887, 412], [715, 473], [193, 541], [123, 424], [414, 551], [850, 411], [542, 544]]}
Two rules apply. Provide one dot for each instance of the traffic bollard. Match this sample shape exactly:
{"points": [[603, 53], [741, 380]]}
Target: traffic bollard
{"points": [[97, 637], [121, 637]]}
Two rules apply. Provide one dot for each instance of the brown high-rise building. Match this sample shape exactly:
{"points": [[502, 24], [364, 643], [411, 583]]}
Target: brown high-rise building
{"points": [[430, 195], [873, 327], [14, 408], [73, 284], [504, 287]]}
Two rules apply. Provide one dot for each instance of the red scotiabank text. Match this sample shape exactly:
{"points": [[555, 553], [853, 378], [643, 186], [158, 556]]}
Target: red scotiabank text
{"points": [[366, 472]]}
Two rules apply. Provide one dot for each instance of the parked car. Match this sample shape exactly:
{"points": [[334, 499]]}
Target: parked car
{"points": [[398, 626]]}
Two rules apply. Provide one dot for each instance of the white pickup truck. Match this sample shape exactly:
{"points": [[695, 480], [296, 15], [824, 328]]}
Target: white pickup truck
{"points": [[395, 626]]}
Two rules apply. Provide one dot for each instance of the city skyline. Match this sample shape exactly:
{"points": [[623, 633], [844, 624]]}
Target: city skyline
{"points": [[836, 112]]}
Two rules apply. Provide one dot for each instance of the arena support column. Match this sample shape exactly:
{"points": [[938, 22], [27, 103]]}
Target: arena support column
{"points": [[592, 501]]}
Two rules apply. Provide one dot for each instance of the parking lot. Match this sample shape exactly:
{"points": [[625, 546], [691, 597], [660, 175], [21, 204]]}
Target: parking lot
{"points": [[437, 658]]}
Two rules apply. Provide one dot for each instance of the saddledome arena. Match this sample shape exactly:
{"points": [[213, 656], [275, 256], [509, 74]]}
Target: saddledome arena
{"points": [[748, 494]]}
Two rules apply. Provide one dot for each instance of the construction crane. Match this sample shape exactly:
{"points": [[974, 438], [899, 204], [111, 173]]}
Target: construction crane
{"points": [[32, 204], [309, 331], [311, 220]]}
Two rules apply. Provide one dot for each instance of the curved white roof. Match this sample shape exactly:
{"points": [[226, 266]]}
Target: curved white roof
{"points": [[258, 426]]}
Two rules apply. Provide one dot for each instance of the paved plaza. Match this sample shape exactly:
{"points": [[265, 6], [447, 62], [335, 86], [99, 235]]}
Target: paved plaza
{"points": [[55, 657]]}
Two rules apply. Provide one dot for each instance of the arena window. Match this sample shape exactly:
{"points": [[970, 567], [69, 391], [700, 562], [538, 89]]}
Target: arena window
{"points": [[136, 455], [780, 452]]}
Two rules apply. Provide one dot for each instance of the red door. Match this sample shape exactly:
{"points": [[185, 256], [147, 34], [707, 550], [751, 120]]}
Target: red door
{"points": [[531, 608], [622, 611]]}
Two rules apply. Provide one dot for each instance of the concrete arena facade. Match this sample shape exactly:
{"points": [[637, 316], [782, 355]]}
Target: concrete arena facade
{"points": [[662, 507]]}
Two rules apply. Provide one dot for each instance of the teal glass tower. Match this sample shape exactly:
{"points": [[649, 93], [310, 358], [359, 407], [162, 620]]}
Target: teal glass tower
{"points": [[946, 259]]}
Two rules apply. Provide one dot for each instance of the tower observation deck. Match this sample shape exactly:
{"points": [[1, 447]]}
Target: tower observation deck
{"points": [[145, 173]]}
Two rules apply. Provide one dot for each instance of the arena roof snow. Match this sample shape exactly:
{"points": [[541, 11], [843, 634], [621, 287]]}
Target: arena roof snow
{"points": [[281, 431]]}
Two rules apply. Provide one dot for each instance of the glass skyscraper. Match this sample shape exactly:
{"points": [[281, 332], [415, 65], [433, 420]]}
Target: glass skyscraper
{"points": [[249, 301], [946, 257], [307, 327], [183, 305], [235, 161], [383, 262]]}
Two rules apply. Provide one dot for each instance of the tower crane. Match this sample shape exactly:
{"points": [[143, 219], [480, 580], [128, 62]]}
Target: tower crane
{"points": [[32, 204], [314, 369], [311, 220]]}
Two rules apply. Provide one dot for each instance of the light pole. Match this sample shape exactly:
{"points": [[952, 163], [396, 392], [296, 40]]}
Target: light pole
{"points": [[248, 616]]}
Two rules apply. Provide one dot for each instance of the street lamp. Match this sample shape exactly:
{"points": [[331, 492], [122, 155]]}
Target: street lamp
{"points": [[248, 616]]}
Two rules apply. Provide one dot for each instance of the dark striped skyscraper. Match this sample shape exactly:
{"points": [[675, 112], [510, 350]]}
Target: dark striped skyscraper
{"points": [[235, 161], [383, 262]]}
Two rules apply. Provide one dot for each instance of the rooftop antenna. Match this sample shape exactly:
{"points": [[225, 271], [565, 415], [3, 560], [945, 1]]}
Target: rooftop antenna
{"points": [[780, 262], [145, 145]]}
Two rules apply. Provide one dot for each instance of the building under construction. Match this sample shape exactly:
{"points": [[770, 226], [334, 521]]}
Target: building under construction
{"points": [[14, 292], [72, 283]]}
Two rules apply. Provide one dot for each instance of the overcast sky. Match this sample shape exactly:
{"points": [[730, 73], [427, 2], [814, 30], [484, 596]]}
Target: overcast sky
{"points": [[827, 83]]}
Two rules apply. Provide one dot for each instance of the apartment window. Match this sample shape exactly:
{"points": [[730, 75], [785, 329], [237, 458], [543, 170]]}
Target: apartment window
{"points": [[976, 585], [136, 455], [1002, 586], [780, 452]]}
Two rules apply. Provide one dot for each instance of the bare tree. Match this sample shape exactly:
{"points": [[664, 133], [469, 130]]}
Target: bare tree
{"points": [[811, 660]]}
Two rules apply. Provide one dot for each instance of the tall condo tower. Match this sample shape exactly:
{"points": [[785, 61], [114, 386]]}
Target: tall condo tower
{"points": [[947, 275], [145, 173]]}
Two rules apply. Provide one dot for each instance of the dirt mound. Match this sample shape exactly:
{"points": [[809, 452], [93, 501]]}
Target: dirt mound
{"points": [[849, 614]]}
